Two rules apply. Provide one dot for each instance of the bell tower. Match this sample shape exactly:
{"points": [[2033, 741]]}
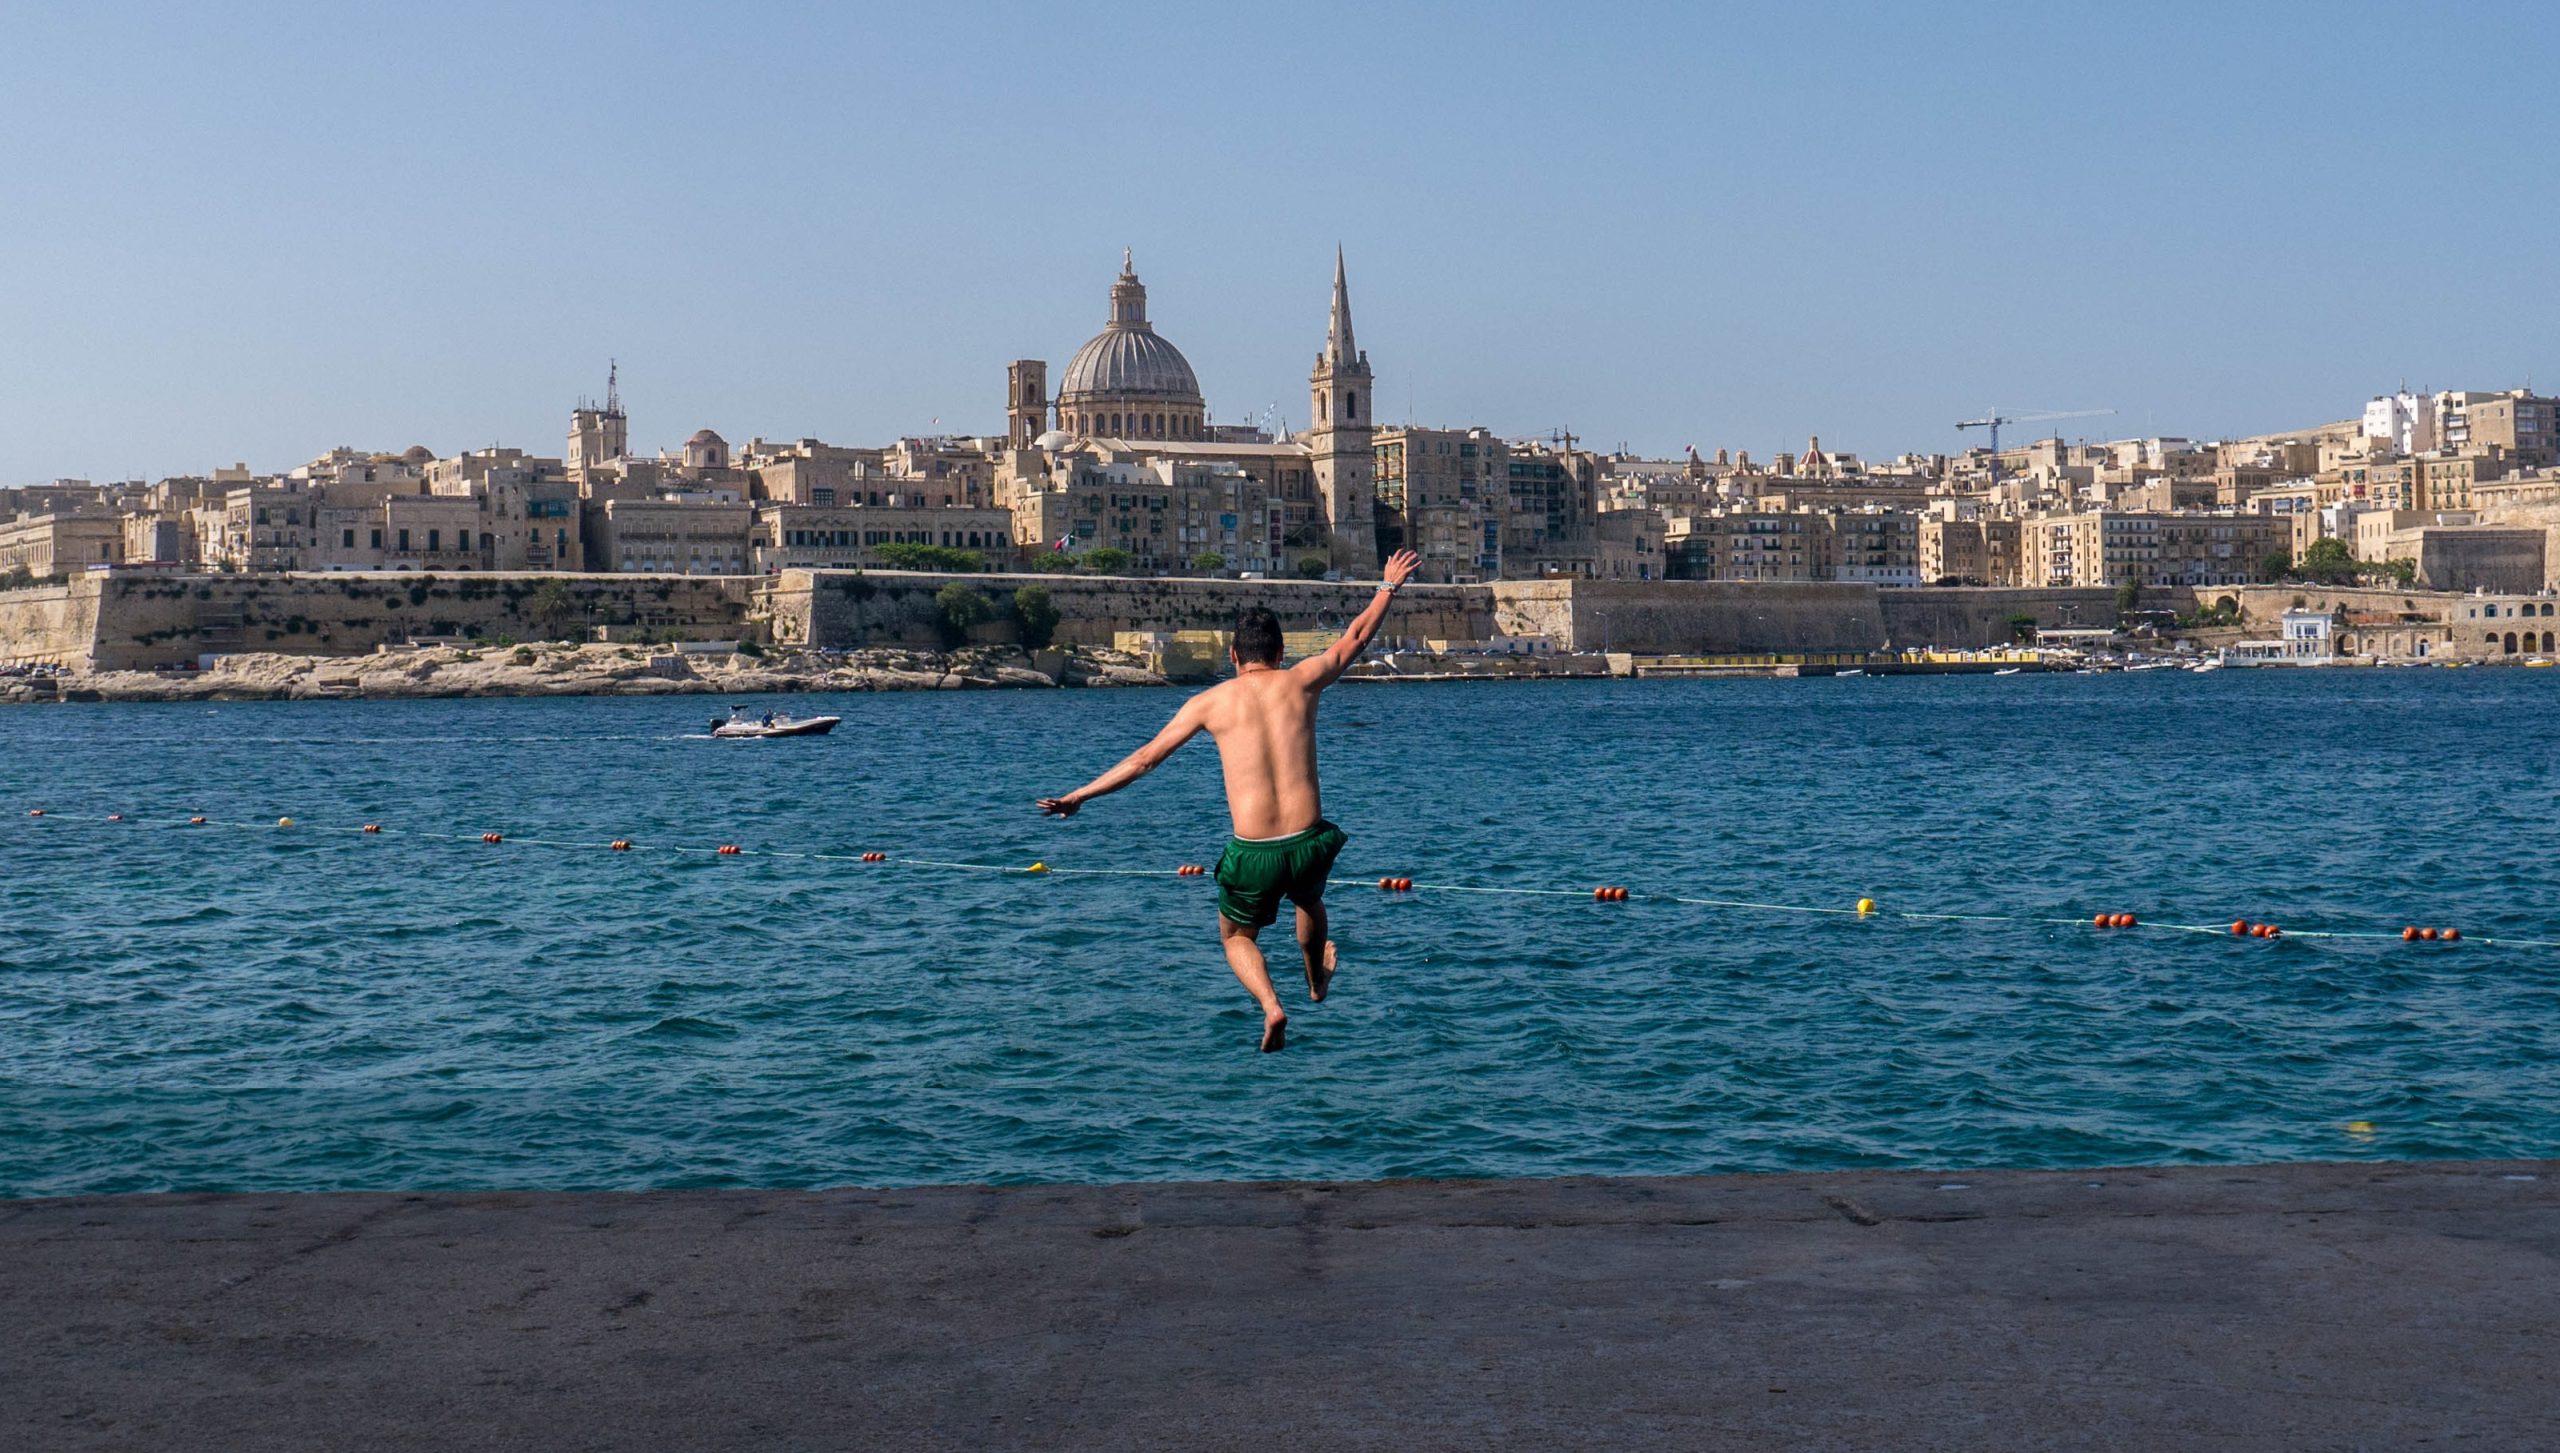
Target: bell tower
{"points": [[598, 436], [1026, 408], [1341, 401]]}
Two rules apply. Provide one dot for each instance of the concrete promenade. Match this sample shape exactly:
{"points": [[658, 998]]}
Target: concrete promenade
{"points": [[2380, 1306]]}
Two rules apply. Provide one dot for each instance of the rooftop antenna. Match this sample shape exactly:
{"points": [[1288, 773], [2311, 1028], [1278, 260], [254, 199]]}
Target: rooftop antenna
{"points": [[612, 386]]}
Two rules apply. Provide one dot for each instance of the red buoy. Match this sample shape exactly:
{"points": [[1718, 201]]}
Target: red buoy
{"points": [[2450, 934], [2241, 925], [2408, 935], [373, 827], [195, 822]]}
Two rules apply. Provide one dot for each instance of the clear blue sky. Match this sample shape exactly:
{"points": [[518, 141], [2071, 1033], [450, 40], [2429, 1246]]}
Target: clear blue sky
{"points": [[252, 232]]}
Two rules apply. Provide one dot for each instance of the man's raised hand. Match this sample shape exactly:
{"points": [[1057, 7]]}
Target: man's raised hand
{"points": [[1059, 806], [1401, 565]]}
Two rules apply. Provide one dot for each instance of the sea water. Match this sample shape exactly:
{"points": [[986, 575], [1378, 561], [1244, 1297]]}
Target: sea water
{"points": [[237, 1006]]}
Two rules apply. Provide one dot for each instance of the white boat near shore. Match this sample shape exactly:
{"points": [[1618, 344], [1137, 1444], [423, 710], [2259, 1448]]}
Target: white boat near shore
{"points": [[772, 724]]}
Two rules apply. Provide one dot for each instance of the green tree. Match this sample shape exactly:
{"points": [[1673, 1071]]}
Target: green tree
{"points": [[2129, 595], [1109, 560], [1208, 562], [1313, 567], [2022, 629], [2403, 573], [915, 555], [2277, 565], [957, 608], [1035, 615], [551, 606], [1054, 562], [17, 577], [2329, 561]]}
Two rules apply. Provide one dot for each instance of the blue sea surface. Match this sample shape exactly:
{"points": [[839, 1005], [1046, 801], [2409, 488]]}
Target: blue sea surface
{"points": [[236, 1007]]}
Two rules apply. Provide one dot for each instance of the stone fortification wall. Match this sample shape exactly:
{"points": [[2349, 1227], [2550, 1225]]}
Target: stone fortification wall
{"points": [[143, 622], [1720, 617], [48, 623], [135, 621], [842, 610], [2498, 560]]}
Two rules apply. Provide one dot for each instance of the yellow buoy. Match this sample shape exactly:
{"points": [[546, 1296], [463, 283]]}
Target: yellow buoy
{"points": [[284, 822], [1866, 906], [1037, 868], [2359, 1127]]}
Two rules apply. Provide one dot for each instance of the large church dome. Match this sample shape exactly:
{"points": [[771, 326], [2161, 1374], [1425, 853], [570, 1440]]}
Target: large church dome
{"points": [[1130, 361], [1129, 381]]}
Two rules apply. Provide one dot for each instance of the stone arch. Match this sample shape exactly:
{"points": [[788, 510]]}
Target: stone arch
{"points": [[2511, 643]]}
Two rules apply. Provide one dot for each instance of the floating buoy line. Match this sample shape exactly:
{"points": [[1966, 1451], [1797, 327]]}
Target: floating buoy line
{"points": [[1863, 909]]}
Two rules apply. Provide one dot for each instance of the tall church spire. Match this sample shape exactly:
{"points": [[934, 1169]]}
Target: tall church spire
{"points": [[1339, 348], [1341, 403]]}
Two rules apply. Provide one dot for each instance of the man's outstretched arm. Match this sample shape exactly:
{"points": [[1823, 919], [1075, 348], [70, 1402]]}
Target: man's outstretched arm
{"points": [[1134, 766], [1337, 658]]}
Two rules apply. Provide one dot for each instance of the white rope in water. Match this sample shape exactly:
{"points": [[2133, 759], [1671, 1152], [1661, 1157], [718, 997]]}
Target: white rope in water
{"points": [[1044, 870]]}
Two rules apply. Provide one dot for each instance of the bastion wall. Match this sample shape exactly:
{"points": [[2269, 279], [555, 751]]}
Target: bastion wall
{"points": [[843, 610], [139, 621], [143, 622], [1685, 618]]}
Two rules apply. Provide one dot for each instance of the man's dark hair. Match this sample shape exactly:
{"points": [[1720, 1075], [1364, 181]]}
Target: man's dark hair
{"points": [[1258, 637]]}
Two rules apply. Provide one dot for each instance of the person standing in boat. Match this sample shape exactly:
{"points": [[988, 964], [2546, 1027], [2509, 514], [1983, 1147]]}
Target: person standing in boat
{"points": [[1264, 722]]}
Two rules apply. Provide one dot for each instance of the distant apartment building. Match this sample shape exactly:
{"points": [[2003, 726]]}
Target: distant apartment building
{"points": [[1878, 547], [60, 542], [2110, 547], [1438, 491], [1164, 512], [2522, 425], [702, 534], [823, 537], [1969, 552]]}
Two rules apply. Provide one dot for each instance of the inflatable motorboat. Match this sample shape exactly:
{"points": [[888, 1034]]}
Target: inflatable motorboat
{"points": [[772, 724]]}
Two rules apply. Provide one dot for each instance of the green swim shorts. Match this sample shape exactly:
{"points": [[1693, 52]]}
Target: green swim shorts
{"points": [[1254, 876]]}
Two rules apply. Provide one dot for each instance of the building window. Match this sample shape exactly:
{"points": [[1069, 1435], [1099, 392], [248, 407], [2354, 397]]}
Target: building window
{"points": [[347, 539], [404, 540], [377, 539], [435, 541]]}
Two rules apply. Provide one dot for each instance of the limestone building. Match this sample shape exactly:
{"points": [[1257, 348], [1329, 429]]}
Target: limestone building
{"points": [[1130, 421]]}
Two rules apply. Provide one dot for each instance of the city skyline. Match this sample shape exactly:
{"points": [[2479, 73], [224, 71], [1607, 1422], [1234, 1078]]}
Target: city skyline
{"points": [[257, 241]]}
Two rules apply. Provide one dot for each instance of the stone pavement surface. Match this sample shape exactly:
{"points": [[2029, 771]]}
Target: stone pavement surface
{"points": [[2381, 1306]]}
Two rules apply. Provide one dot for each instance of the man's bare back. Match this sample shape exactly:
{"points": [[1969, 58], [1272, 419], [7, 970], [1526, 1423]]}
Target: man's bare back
{"points": [[1265, 725], [1264, 722]]}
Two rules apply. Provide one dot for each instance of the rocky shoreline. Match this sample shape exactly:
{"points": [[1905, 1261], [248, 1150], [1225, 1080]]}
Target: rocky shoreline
{"points": [[562, 669]]}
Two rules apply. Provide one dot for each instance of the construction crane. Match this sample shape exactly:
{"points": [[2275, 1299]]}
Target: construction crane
{"points": [[1994, 419]]}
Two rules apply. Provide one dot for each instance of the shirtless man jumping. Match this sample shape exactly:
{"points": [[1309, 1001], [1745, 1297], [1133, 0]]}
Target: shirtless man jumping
{"points": [[1265, 725]]}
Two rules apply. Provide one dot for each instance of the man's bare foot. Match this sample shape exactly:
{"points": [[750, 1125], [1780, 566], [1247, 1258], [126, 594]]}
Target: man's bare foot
{"points": [[1320, 976], [1275, 1034]]}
